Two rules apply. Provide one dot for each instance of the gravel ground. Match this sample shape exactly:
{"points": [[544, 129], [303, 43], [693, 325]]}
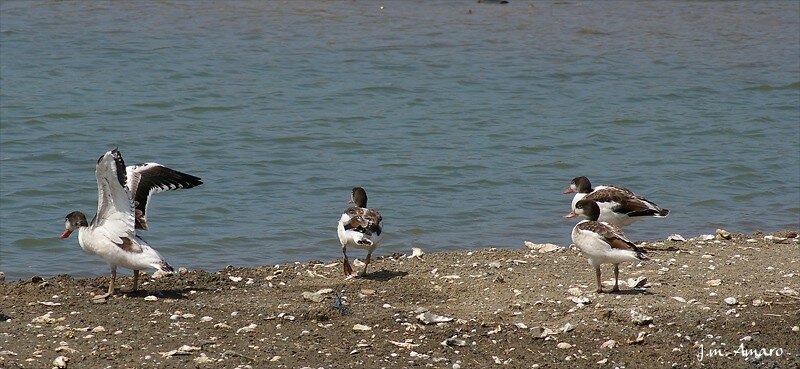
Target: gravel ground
{"points": [[736, 302]]}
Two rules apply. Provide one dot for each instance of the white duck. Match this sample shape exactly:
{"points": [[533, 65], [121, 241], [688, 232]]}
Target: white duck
{"points": [[359, 227], [122, 196], [619, 206], [602, 243]]}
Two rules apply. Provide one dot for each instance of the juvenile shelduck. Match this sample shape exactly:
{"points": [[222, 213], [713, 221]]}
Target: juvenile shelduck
{"points": [[359, 227], [602, 243], [618, 206], [122, 198]]}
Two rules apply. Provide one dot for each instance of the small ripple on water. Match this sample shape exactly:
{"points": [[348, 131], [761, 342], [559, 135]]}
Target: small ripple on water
{"points": [[216, 209], [753, 195], [765, 88], [560, 165], [707, 203], [204, 109], [156, 104], [37, 242], [62, 116]]}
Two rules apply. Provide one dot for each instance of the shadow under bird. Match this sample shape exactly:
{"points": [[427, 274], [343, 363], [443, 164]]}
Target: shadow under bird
{"points": [[603, 243], [359, 227], [123, 194], [619, 206]]}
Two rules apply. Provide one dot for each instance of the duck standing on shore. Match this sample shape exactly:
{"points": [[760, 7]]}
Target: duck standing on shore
{"points": [[122, 198], [359, 227], [602, 243], [619, 206]]}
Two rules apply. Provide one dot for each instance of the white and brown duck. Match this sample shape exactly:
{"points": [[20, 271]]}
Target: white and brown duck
{"points": [[603, 243], [619, 206], [359, 227], [123, 194]]}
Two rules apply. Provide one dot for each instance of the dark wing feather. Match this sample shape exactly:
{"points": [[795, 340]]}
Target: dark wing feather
{"points": [[627, 202], [150, 178], [610, 194], [364, 220]]}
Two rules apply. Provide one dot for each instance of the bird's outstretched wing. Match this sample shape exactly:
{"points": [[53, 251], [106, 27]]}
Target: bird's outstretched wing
{"points": [[115, 212], [146, 179]]}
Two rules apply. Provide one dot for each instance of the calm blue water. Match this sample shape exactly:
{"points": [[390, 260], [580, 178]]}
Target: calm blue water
{"points": [[463, 121]]}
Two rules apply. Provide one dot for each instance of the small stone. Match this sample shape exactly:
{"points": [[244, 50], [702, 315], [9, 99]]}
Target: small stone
{"points": [[564, 345], [368, 291], [202, 359], [679, 299], [453, 341], [44, 319], [362, 328], [247, 329], [601, 362], [183, 271], [786, 291], [151, 298], [541, 332], [640, 318], [431, 318], [313, 296], [637, 282], [275, 358], [714, 282], [542, 247], [235, 279], [775, 239], [160, 274], [62, 348], [610, 344], [580, 300], [407, 344], [676, 238], [49, 303], [722, 234], [206, 319], [567, 327], [731, 301], [222, 326], [416, 252], [521, 325], [638, 339], [183, 350], [758, 302], [796, 329], [575, 291], [61, 362], [705, 237], [37, 279], [98, 329]]}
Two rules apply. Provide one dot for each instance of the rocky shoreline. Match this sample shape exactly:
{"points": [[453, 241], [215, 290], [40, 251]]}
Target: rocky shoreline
{"points": [[713, 301]]}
